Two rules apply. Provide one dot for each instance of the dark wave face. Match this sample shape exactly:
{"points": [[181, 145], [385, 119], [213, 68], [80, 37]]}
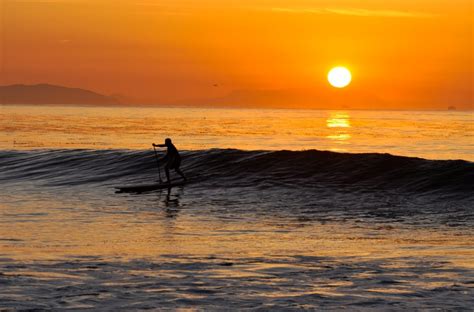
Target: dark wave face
{"points": [[453, 179]]}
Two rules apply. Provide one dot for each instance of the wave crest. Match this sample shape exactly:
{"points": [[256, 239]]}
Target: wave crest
{"points": [[230, 167]]}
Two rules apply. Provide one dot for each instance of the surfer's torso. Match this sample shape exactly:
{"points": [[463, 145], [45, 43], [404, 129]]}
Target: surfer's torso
{"points": [[173, 158]]}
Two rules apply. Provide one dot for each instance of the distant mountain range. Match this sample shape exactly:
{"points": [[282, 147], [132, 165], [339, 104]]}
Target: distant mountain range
{"points": [[51, 94], [48, 94]]}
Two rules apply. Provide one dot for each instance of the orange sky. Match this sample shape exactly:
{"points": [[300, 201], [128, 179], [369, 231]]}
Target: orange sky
{"points": [[402, 53]]}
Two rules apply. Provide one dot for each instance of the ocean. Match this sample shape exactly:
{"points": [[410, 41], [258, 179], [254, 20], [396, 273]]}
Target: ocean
{"points": [[284, 210]]}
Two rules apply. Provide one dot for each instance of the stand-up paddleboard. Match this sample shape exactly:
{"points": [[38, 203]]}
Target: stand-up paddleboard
{"points": [[147, 187]]}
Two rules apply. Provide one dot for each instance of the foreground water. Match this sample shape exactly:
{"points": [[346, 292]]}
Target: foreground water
{"points": [[252, 230]]}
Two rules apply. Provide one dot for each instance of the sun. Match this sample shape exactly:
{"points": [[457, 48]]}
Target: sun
{"points": [[339, 77]]}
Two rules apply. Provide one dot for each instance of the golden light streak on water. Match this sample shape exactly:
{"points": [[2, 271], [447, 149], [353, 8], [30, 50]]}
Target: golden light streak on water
{"points": [[338, 120]]}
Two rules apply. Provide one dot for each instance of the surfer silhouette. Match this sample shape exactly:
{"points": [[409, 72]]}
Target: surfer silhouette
{"points": [[172, 159]]}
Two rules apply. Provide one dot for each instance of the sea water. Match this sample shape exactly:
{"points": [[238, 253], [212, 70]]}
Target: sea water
{"points": [[285, 209], [425, 134]]}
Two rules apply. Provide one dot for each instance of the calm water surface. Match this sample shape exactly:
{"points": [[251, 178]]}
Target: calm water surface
{"points": [[432, 135]]}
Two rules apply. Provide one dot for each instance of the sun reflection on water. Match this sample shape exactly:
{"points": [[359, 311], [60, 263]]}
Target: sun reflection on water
{"points": [[338, 123], [338, 120], [339, 136]]}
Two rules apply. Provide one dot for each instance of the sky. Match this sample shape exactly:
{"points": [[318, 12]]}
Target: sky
{"points": [[403, 54]]}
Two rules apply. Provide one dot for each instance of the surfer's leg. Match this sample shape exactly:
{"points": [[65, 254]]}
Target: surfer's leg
{"points": [[167, 171], [180, 173]]}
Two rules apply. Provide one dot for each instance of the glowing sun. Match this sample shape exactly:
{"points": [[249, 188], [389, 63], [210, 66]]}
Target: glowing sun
{"points": [[339, 77]]}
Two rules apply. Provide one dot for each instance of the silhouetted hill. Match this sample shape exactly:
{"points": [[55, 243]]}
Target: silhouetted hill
{"points": [[51, 94]]}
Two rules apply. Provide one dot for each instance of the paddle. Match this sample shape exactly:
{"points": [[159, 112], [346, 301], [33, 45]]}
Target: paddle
{"points": [[158, 163]]}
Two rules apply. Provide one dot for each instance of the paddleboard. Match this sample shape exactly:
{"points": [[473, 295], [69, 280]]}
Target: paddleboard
{"points": [[147, 187]]}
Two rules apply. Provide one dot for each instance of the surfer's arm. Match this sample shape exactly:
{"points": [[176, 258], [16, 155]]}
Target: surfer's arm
{"points": [[159, 145]]}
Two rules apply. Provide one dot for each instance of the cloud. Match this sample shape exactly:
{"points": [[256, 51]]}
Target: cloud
{"points": [[385, 13], [355, 12], [44, 1]]}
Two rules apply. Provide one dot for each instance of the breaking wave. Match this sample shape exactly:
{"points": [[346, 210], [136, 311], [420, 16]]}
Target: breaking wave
{"points": [[230, 167]]}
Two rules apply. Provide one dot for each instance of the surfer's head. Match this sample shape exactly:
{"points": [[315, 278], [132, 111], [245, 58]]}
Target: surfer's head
{"points": [[167, 141]]}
